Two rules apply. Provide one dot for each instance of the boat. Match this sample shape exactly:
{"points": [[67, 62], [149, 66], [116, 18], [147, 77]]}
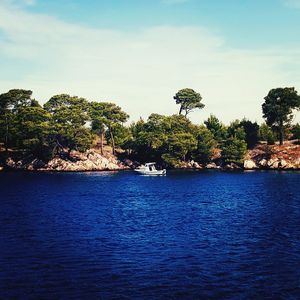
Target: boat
{"points": [[150, 169]]}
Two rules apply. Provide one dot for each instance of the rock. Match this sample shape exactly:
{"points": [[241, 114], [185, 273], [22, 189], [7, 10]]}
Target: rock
{"points": [[270, 162], [211, 166], [196, 165], [10, 163], [35, 165], [273, 163], [130, 163], [283, 164], [290, 166], [90, 161], [296, 163], [249, 164], [263, 163], [1, 168], [232, 166]]}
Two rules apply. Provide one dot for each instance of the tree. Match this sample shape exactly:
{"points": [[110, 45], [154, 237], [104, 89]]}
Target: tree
{"points": [[158, 138], [122, 136], [10, 104], [235, 130], [296, 131], [251, 131], [99, 121], [149, 139], [205, 145], [188, 100], [266, 134], [244, 130], [179, 145], [32, 124], [218, 129], [113, 116], [234, 150], [278, 108], [68, 122]]}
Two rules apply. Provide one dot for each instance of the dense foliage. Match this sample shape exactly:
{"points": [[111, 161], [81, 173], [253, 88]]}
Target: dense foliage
{"points": [[188, 100], [65, 123], [278, 108]]}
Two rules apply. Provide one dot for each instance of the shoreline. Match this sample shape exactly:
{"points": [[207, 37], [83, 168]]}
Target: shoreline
{"points": [[10, 170], [285, 157]]}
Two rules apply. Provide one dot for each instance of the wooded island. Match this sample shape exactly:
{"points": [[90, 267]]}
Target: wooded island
{"points": [[67, 124]]}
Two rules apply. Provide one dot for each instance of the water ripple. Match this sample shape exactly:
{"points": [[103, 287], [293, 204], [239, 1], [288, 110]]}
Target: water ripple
{"points": [[188, 235]]}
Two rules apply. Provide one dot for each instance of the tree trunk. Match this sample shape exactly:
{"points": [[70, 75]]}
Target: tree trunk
{"points": [[59, 148], [180, 110], [281, 134], [112, 140], [101, 142]]}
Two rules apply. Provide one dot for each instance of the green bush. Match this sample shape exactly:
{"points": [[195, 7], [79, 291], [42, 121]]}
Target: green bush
{"points": [[234, 151]]}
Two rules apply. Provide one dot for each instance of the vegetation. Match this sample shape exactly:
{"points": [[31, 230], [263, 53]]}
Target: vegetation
{"points": [[296, 132], [65, 123], [266, 134], [218, 130], [234, 150], [278, 108], [107, 118], [188, 100], [69, 116]]}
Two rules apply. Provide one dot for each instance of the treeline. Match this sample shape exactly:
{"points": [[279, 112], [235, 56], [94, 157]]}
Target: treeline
{"points": [[66, 123], [62, 124]]}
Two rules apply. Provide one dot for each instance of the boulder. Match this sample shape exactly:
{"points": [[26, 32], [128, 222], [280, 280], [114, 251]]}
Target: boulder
{"points": [[296, 163], [10, 163], [35, 165], [196, 165], [91, 161], [211, 166], [273, 163], [232, 166], [283, 164], [263, 163], [249, 164]]}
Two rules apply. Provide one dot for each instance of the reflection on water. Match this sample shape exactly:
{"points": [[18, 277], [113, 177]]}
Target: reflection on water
{"points": [[187, 235]]}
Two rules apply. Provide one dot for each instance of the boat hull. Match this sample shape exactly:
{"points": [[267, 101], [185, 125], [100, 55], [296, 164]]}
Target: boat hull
{"points": [[156, 172]]}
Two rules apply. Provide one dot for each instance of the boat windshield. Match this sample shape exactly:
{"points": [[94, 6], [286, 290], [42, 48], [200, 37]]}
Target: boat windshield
{"points": [[150, 166]]}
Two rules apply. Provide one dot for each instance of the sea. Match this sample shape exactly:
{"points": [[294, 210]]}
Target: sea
{"points": [[119, 235]]}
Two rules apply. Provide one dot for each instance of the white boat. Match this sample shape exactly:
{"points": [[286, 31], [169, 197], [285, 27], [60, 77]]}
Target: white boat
{"points": [[150, 169]]}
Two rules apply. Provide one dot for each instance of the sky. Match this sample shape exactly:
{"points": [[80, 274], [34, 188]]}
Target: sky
{"points": [[139, 53]]}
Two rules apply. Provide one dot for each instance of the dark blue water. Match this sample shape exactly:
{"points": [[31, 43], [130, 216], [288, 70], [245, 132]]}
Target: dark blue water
{"points": [[188, 235]]}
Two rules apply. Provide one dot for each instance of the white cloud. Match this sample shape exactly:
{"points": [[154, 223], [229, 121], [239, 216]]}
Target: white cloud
{"points": [[141, 71]]}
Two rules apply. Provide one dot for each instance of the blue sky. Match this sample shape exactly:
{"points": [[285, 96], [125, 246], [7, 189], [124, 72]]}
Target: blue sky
{"points": [[138, 53], [245, 23]]}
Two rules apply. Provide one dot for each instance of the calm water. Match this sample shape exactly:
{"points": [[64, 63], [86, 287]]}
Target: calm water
{"points": [[188, 235]]}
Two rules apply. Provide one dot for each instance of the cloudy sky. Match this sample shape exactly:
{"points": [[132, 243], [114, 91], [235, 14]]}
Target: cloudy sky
{"points": [[138, 53]]}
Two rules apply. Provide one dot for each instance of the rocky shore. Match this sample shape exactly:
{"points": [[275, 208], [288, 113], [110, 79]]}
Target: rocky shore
{"points": [[264, 157], [286, 157], [78, 162]]}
